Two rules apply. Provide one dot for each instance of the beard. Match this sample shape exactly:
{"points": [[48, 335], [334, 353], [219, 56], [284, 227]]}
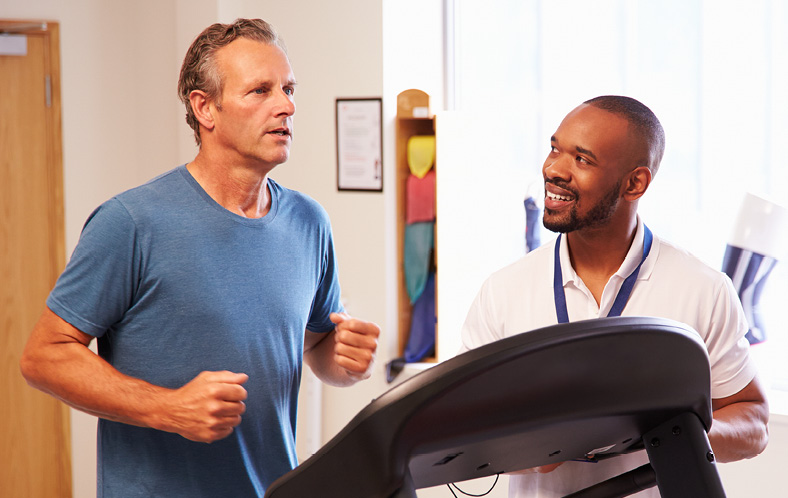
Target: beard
{"points": [[597, 216]]}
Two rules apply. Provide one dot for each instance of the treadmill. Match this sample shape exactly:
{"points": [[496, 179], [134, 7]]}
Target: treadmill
{"points": [[610, 385]]}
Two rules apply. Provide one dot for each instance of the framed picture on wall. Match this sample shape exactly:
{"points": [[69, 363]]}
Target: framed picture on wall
{"points": [[359, 144]]}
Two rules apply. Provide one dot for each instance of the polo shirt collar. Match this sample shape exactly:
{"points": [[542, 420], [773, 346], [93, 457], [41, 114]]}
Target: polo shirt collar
{"points": [[631, 260]]}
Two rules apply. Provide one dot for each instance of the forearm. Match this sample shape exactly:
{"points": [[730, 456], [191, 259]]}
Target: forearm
{"points": [[57, 361], [81, 379], [739, 431]]}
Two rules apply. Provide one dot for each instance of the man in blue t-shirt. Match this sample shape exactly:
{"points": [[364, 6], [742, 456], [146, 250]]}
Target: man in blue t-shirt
{"points": [[206, 288]]}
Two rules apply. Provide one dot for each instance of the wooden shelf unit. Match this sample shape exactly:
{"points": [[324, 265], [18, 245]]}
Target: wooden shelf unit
{"points": [[408, 126]]}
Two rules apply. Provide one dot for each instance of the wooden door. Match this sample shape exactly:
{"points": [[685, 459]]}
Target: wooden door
{"points": [[35, 449]]}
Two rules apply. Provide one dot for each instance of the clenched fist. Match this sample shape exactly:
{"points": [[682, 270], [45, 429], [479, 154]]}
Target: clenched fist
{"points": [[355, 345], [209, 407]]}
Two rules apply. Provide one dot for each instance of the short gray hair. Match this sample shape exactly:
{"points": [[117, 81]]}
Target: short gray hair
{"points": [[199, 70]]}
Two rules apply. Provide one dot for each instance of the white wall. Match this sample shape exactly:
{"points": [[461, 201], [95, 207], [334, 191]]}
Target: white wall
{"points": [[117, 93]]}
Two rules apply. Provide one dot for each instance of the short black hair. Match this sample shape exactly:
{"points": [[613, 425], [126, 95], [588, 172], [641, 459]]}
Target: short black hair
{"points": [[642, 119]]}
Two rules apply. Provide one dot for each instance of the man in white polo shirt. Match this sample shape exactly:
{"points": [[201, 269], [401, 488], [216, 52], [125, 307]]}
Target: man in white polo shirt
{"points": [[606, 262]]}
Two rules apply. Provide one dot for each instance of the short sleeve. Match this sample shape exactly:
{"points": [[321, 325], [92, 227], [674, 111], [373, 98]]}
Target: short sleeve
{"points": [[327, 296], [732, 366], [97, 287]]}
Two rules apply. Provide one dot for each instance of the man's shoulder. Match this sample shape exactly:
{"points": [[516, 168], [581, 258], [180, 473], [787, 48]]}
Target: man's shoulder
{"points": [[668, 251], [152, 188], [148, 200], [678, 261], [144, 196], [298, 203], [293, 195]]}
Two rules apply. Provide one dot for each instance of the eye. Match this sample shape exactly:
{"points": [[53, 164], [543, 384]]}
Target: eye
{"points": [[582, 159], [259, 91], [289, 90], [553, 150]]}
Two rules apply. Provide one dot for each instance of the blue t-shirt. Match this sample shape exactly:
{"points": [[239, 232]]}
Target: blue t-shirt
{"points": [[173, 284]]}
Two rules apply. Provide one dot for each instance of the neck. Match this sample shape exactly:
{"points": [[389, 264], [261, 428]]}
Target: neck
{"points": [[241, 189], [597, 253]]}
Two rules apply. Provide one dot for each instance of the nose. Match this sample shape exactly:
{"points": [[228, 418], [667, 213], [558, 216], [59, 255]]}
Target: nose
{"points": [[285, 105], [556, 167]]}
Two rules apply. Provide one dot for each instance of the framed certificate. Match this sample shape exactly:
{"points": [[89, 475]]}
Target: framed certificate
{"points": [[360, 144]]}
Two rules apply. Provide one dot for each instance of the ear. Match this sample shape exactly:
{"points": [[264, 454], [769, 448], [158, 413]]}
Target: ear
{"points": [[637, 183], [202, 108]]}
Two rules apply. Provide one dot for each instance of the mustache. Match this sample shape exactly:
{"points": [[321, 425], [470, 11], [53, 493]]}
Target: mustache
{"points": [[562, 185]]}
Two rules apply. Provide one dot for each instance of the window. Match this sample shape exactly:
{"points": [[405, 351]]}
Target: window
{"points": [[714, 72]]}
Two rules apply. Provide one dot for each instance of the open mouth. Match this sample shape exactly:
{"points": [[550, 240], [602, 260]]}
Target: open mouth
{"points": [[281, 133], [556, 197], [555, 192]]}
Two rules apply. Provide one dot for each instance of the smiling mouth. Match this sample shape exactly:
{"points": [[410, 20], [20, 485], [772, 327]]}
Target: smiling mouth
{"points": [[556, 197]]}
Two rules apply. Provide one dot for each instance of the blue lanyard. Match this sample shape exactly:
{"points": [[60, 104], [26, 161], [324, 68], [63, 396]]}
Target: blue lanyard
{"points": [[623, 294]]}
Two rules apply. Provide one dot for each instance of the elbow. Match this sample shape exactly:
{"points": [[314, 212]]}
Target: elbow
{"points": [[762, 440], [29, 368], [743, 437], [757, 445], [758, 439]]}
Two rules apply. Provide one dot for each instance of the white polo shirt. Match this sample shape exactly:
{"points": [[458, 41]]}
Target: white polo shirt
{"points": [[671, 284]]}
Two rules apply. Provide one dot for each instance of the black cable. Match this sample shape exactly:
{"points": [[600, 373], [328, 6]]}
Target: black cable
{"points": [[469, 494]]}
